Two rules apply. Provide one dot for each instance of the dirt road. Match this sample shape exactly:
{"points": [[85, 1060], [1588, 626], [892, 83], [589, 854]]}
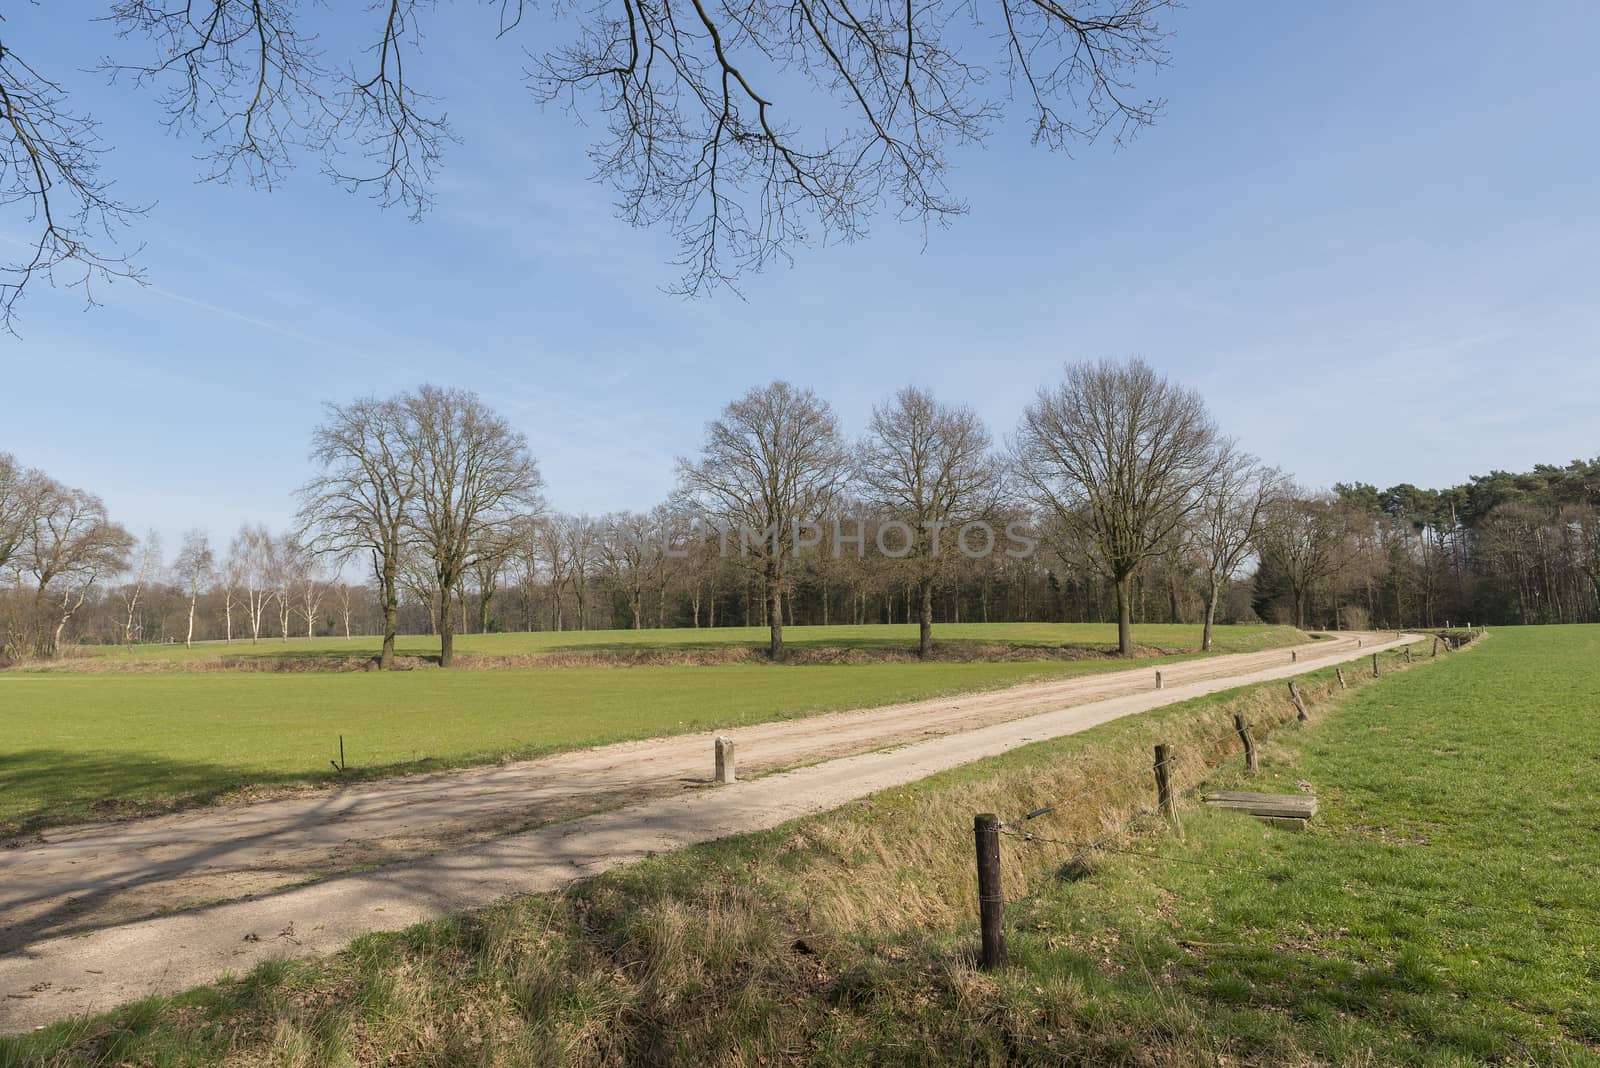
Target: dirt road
{"points": [[650, 797]]}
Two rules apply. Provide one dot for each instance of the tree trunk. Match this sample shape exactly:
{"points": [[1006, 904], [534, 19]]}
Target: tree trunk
{"points": [[391, 613], [1211, 616], [925, 620], [1125, 615], [774, 604], [447, 627], [188, 640]]}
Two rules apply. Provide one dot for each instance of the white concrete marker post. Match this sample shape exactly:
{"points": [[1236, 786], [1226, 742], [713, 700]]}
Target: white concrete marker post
{"points": [[725, 771]]}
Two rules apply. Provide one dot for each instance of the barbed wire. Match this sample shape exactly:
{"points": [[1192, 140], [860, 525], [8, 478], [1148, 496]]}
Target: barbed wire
{"points": [[1101, 785]]}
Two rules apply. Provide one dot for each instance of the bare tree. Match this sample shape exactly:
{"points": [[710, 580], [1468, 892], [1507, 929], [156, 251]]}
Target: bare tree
{"points": [[489, 558], [705, 132], [194, 567], [580, 540], [474, 475], [928, 466], [255, 554], [346, 594], [770, 467], [361, 500], [20, 491], [1228, 521], [68, 547], [630, 552], [147, 566], [289, 560], [233, 570], [309, 588], [548, 543], [1118, 455], [1307, 538]]}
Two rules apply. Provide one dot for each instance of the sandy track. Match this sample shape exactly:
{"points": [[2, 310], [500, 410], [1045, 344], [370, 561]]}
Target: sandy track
{"points": [[99, 874], [94, 875]]}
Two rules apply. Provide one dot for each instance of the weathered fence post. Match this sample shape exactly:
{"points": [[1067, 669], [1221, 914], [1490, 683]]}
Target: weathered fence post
{"points": [[1358, 643], [1299, 705], [1294, 656], [1408, 654], [1243, 728], [1164, 799], [1339, 671], [991, 898], [1374, 665], [1158, 680], [1435, 645], [725, 768]]}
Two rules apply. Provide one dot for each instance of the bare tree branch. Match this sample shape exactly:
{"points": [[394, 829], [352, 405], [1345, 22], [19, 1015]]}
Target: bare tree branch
{"points": [[746, 128], [50, 173]]}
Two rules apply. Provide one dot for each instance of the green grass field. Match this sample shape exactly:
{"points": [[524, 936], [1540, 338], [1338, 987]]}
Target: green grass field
{"points": [[1167, 636], [1442, 910], [79, 746]]}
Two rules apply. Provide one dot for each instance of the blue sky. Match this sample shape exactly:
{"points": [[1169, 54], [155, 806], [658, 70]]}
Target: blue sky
{"points": [[1366, 232]]}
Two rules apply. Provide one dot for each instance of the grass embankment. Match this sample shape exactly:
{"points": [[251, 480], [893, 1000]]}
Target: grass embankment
{"points": [[849, 938], [78, 746], [1016, 639]]}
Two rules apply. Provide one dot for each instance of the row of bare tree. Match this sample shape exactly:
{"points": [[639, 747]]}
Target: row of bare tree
{"points": [[1115, 497]]}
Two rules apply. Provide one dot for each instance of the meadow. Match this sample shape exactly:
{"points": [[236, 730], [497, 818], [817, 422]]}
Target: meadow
{"points": [[92, 745], [1440, 910]]}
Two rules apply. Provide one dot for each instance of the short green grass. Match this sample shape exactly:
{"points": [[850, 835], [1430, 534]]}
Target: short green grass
{"points": [[1169, 636], [79, 746], [82, 745], [1441, 911]]}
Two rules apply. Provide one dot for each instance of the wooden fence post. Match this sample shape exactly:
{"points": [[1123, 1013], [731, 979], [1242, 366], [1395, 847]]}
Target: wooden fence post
{"points": [[1164, 799], [1339, 671], [1158, 680], [1299, 705], [1250, 763], [725, 768], [1294, 656], [991, 898], [1374, 665], [1435, 645], [1408, 654]]}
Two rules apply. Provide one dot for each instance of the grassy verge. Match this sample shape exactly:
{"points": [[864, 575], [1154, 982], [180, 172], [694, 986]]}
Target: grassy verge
{"points": [[94, 746], [849, 939]]}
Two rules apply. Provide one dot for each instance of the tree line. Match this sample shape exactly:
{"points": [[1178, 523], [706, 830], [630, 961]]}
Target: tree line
{"points": [[1116, 497]]}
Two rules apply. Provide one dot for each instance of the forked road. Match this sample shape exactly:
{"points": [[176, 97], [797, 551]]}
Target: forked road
{"points": [[640, 798]]}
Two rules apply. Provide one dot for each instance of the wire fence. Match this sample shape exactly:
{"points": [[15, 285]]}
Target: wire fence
{"points": [[1020, 829]]}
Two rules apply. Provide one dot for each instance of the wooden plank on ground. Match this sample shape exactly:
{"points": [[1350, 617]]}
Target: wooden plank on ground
{"points": [[1281, 806]]}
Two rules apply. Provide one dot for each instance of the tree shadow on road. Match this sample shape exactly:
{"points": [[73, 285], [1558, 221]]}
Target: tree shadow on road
{"points": [[45, 787]]}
